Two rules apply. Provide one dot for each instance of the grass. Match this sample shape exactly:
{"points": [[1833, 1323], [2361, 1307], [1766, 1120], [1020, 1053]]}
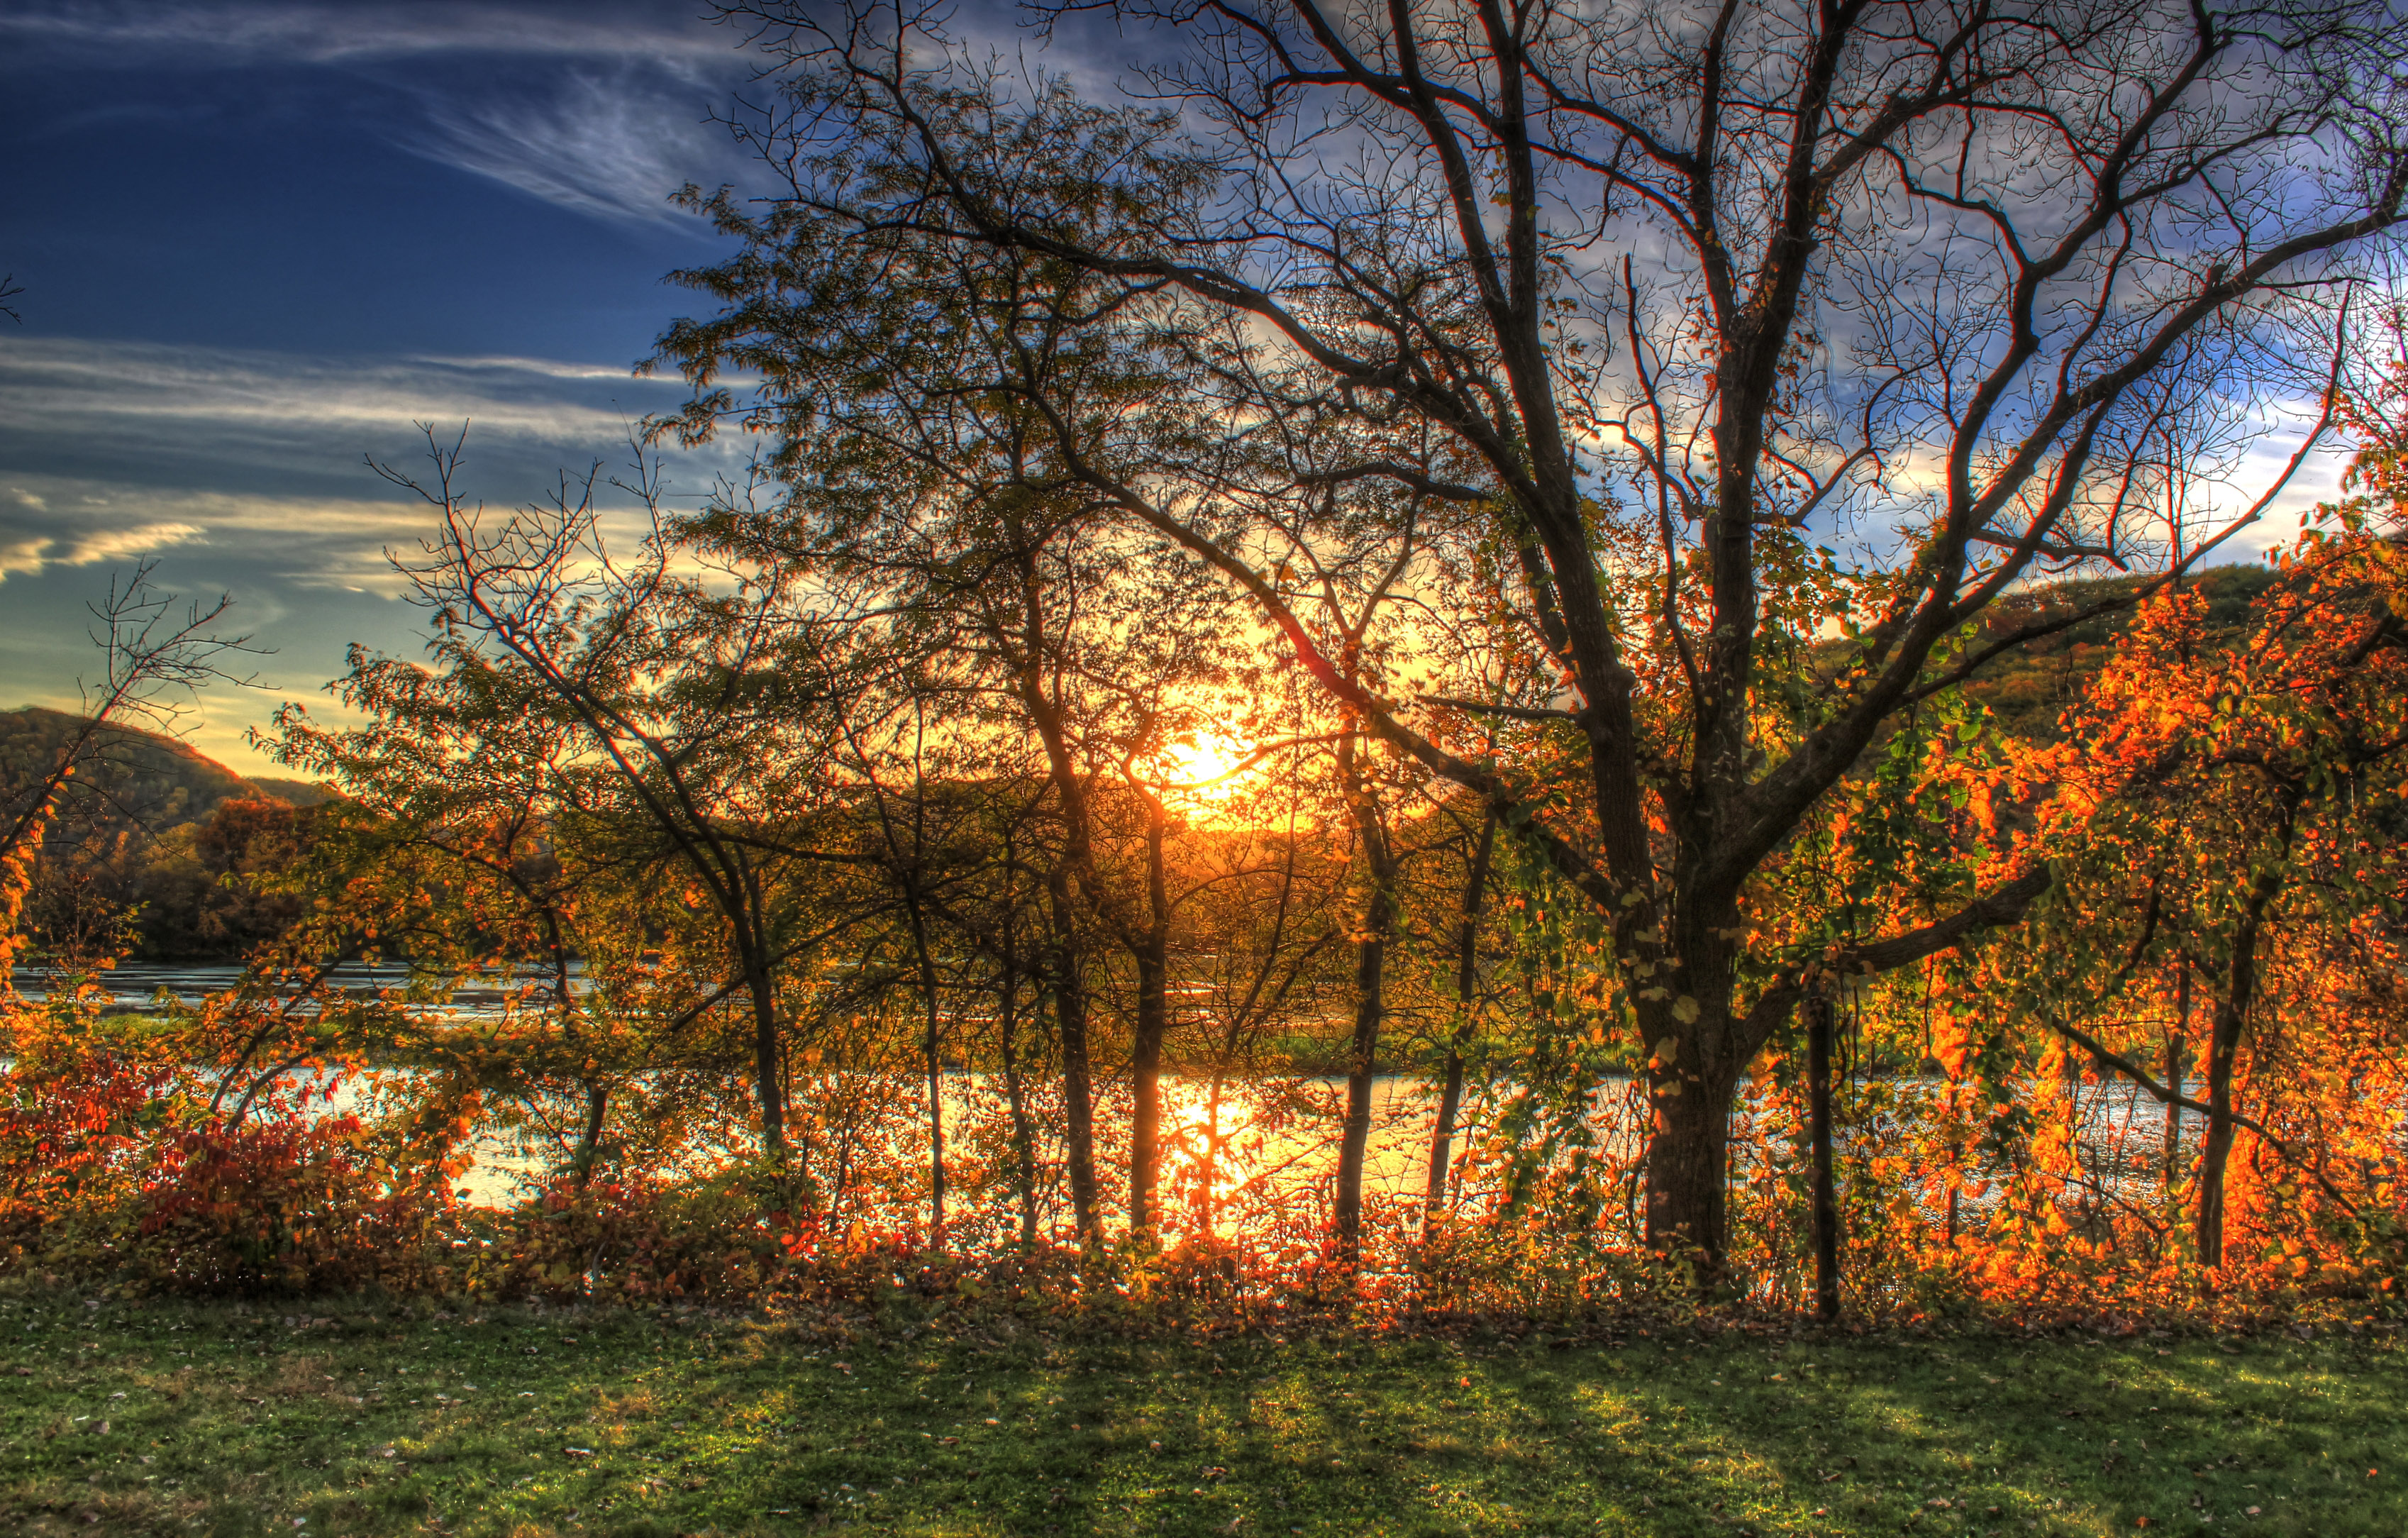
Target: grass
{"points": [[360, 1417]]}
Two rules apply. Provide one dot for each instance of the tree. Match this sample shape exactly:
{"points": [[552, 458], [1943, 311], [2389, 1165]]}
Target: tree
{"points": [[456, 848], [948, 500], [2251, 794], [709, 717], [1930, 275]]}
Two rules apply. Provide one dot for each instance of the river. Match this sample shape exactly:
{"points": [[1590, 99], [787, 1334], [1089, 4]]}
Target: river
{"points": [[1290, 1159]]}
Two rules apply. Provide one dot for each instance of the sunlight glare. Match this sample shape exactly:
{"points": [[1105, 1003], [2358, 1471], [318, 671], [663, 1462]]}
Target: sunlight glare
{"points": [[1207, 768]]}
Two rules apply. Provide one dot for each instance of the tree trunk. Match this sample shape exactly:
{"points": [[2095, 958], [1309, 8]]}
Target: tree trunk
{"points": [[932, 1048], [766, 1070], [1688, 1155], [1818, 1123], [1370, 1002], [1370, 959], [1153, 952], [2178, 1047], [2225, 1028], [1015, 1094], [1145, 1085], [1466, 973], [1078, 1094], [597, 1107]]}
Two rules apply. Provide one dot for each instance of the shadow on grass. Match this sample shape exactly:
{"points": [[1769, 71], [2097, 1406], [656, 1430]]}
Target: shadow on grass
{"points": [[168, 1418]]}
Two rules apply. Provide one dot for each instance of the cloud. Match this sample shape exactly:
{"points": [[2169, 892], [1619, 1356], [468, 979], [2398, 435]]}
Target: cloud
{"points": [[116, 449], [156, 33], [594, 108], [615, 145], [26, 551], [59, 390]]}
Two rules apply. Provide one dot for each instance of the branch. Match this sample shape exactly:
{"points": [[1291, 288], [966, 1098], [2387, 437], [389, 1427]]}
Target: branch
{"points": [[2140, 1076], [1511, 712], [2001, 907]]}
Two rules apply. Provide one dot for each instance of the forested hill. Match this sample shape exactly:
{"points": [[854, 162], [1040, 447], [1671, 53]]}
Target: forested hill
{"points": [[135, 858], [2027, 690], [148, 778]]}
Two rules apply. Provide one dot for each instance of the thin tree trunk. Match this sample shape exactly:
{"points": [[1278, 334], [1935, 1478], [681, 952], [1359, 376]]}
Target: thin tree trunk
{"points": [[1023, 1132], [765, 1055], [1078, 1094], [1371, 1001], [2178, 1047], [933, 1049], [2225, 1028], [597, 1106], [597, 1092], [1466, 973], [1370, 961], [1153, 952], [1818, 1123]]}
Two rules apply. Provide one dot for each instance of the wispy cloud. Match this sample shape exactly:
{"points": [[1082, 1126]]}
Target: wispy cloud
{"points": [[205, 35], [27, 551], [310, 542], [67, 388], [595, 108], [614, 145], [119, 449]]}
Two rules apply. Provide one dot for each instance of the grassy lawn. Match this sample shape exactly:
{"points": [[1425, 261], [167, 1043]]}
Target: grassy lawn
{"points": [[377, 1417]]}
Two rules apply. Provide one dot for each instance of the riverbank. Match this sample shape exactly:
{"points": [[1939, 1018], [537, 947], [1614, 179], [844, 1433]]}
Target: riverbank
{"points": [[378, 1418]]}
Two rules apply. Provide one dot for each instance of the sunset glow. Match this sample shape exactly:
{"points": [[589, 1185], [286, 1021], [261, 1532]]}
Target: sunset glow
{"points": [[1209, 770]]}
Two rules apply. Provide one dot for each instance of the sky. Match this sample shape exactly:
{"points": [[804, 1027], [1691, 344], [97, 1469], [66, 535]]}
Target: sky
{"points": [[261, 241]]}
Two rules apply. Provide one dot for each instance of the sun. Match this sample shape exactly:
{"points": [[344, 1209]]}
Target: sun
{"points": [[1209, 770]]}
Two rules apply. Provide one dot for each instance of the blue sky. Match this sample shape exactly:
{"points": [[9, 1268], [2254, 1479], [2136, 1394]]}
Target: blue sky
{"points": [[258, 240]]}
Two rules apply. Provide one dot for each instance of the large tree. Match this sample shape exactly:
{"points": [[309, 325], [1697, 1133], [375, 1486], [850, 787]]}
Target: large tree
{"points": [[1680, 290]]}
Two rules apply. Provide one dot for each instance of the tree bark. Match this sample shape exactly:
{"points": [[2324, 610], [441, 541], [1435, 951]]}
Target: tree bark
{"points": [[1078, 1095], [2177, 1047], [589, 1138], [1015, 1093], [1370, 1002], [1687, 1154], [766, 1070], [2225, 1028], [1466, 973], [1152, 948], [932, 1049]]}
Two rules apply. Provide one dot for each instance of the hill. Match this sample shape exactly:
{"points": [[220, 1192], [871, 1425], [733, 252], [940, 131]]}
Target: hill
{"points": [[143, 778], [2029, 689], [293, 792]]}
